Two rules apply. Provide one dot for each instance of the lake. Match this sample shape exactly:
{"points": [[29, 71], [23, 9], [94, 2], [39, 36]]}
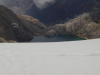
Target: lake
{"points": [[58, 38]]}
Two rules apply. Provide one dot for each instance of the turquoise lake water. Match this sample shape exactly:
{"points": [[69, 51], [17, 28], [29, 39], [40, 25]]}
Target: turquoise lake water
{"points": [[56, 38]]}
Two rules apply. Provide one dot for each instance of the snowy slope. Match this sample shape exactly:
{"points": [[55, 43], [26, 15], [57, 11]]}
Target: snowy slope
{"points": [[63, 58]]}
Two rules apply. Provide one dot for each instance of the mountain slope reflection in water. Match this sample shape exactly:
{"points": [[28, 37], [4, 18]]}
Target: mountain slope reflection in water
{"points": [[56, 38]]}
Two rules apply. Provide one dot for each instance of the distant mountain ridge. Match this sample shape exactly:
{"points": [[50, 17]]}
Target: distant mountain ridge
{"points": [[61, 10], [20, 28], [53, 13], [82, 26]]}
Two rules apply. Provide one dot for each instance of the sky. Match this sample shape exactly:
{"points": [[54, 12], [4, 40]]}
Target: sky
{"points": [[39, 3], [43, 3]]}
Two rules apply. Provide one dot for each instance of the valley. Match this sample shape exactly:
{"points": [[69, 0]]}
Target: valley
{"points": [[66, 20]]}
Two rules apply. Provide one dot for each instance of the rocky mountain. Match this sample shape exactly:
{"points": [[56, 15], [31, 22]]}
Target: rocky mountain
{"points": [[19, 28], [61, 10], [63, 17], [85, 25], [51, 13], [82, 26]]}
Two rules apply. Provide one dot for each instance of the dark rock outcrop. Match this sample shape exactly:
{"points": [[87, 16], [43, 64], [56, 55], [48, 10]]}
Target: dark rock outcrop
{"points": [[33, 25], [7, 22], [2, 40], [20, 29]]}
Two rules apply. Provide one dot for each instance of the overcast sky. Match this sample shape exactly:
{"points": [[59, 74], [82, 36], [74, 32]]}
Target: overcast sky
{"points": [[42, 3], [39, 3]]}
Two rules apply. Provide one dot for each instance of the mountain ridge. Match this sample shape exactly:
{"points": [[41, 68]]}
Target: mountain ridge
{"points": [[18, 28]]}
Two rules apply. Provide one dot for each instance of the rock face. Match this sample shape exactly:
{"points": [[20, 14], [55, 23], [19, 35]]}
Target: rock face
{"points": [[2, 40], [81, 26], [18, 28]]}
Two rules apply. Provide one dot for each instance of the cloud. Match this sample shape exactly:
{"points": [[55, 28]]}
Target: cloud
{"points": [[1, 2], [4, 2], [39, 3], [43, 3]]}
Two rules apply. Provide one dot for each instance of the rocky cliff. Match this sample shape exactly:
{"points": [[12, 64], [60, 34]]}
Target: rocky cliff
{"points": [[19, 28], [23, 28], [82, 26]]}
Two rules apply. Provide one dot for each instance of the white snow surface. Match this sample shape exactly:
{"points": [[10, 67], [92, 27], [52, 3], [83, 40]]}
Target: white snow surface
{"points": [[57, 58]]}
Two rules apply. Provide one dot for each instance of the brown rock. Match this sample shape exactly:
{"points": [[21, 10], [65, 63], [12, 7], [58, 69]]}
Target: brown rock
{"points": [[19, 28], [33, 25], [11, 27], [82, 26]]}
